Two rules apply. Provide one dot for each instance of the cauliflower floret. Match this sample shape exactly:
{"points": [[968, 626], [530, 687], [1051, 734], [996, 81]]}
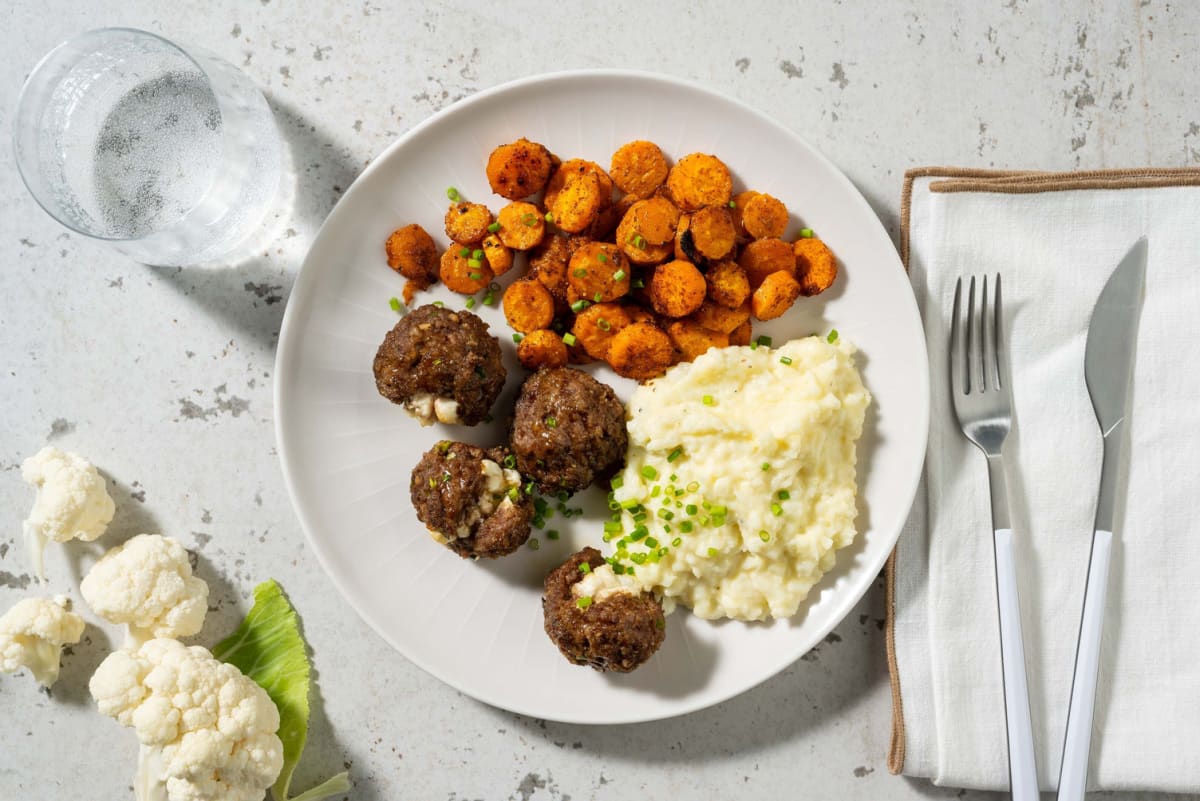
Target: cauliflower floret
{"points": [[207, 732], [147, 583], [72, 502], [33, 633]]}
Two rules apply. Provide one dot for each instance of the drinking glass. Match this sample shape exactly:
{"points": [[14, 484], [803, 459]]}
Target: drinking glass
{"points": [[169, 154]]}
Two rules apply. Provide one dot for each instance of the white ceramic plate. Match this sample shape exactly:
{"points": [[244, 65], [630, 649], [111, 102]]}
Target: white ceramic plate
{"points": [[347, 453]]}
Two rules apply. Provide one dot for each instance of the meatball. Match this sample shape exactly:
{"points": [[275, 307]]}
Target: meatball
{"points": [[471, 499], [440, 365], [596, 619], [568, 430]]}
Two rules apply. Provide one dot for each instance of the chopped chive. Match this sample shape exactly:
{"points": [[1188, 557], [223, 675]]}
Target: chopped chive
{"points": [[569, 339], [584, 602], [776, 509], [785, 359], [551, 422], [640, 517], [712, 553], [530, 219], [833, 336], [617, 482], [686, 526], [539, 504], [691, 509], [603, 324], [475, 264], [601, 257], [552, 534], [675, 454], [395, 304], [513, 494], [475, 276], [639, 242], [638, 283], [489, 298], [494, 227], [579, 306], [619, 275], [439, 304], [518, 337], [666, 514], [783, 495], [655, 492], [630, 504], [649, 472], [510, 461], [765, 341], [651, 542], [638, 558], [470, 303], [618, 568], [708, 400], [534, 544], [733, 204], [806, 233], [563, 495], [597, 297], [529, 488], [580, 272], [606, 537], [679, 540], [718, 510], [584, 567], [693, 486], [673, 478], [639, 533], [452, 193], [464, 252], [549, 217], [612, 527], [477, 254], [764, 536], [766, 466]]}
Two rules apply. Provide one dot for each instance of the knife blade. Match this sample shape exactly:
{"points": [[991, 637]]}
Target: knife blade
{"points": [[1108, 370]]}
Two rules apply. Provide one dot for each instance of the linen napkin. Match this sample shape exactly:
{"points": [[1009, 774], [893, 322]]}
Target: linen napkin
{"points": [[1055, 238]]}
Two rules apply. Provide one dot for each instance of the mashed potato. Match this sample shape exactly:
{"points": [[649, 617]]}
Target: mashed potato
{"points": [[740, 482]]}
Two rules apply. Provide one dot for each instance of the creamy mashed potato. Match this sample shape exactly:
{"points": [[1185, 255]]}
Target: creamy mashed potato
{"points": [[740, 483]]}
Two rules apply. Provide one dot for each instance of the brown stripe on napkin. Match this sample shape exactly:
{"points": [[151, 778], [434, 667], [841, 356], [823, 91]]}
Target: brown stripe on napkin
{"points": [[964, 179]]}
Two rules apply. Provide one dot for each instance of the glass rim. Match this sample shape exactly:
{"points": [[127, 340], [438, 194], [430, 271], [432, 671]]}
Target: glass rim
{"points": [[21, 106]]}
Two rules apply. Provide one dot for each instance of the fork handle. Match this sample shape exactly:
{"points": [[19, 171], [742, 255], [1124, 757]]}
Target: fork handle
{"points": [[1077, 743], [1022, 766]]}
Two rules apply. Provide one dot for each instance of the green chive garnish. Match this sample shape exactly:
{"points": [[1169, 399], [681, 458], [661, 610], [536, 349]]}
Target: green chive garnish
{"points": [[675, 454], [549, 217], [833, 336], [603, 324], [712, 552], [569, 339], [551, 422], [534, 544], [452, 193], [776, 509], [470, 303], [518, 337], [806, 233], [600, 257], [766, 466], [785, 359], [617, 482], [494, 227], [585, 601], [708, 400], [619, 275], [552, 534], [649, 472], [783, 495], [765, 341], [733, 204], [395, 304], [764, 536], [584, 567]]}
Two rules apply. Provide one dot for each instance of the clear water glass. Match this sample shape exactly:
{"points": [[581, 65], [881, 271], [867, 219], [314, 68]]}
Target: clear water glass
{"points": [[169, 154]]}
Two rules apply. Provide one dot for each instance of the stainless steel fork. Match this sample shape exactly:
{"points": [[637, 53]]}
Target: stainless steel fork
{"points": [[980, 387]]}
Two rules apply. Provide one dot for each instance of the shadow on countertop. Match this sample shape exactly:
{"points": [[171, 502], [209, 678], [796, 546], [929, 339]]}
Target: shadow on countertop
{"points": [[249, 295]]}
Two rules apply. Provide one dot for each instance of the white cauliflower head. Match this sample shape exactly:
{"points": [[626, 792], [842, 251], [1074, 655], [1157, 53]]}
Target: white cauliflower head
{"points": [[33, 633], [147, 584], [208, 733], [72, 501]]}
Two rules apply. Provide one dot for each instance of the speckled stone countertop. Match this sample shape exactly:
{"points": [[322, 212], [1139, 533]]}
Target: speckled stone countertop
{"points": [[163, 376]]}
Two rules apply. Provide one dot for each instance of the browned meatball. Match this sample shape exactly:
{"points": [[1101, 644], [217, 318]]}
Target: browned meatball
{"points": [[440, 365], [618, 632], [568, 430], [471, 499]]}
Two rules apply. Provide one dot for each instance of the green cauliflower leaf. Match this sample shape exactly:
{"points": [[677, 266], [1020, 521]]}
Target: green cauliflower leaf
{"points": [[269, 648]]}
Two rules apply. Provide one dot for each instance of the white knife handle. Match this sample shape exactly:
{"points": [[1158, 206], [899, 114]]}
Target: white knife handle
{"points": [[1072, 781], [1022, 768]]}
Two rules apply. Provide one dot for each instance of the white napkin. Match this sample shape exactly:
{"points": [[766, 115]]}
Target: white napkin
{"points": [[1055, 247]]}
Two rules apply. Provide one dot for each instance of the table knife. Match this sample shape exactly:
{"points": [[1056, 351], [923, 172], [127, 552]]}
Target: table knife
{"points": [[1108, 370]]}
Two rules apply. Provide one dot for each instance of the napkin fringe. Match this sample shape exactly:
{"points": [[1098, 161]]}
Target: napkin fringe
{"points": [[966, 179]]}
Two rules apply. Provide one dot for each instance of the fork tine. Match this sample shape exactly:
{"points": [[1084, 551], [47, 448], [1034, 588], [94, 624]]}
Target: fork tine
{"points": [[998, 336], [958, 354], [974, 361], [987, 338]]}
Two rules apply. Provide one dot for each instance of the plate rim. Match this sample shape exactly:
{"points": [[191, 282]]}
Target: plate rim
{"points": [[305, 276]]}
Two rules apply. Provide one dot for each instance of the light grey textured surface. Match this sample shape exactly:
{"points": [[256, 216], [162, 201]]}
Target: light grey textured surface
{"points": [[163, 377]]}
